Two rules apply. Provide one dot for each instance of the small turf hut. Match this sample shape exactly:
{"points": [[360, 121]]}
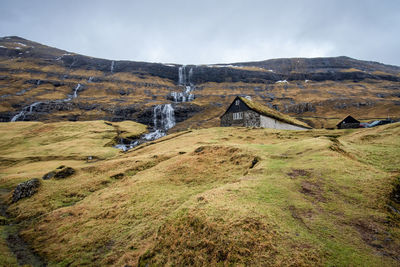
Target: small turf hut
{"points": [[348, 122], [245, 112]]}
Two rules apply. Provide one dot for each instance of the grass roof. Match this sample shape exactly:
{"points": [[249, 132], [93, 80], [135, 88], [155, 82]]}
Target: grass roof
{"points": [[264, 110]]}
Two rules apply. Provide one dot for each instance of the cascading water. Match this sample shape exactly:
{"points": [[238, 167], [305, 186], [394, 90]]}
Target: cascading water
{"points": [[184, 80], [26, 110], [163, 117], [112, 66], [163, 120], [29, 109], [75, 95]]}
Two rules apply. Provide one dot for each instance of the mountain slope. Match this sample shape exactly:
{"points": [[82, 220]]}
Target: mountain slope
{"points": [[310, 65], [320, 91], [228, 196]]}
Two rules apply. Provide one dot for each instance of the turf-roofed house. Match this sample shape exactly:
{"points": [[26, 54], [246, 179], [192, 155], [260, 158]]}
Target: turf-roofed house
{"points": [[245, 112], [348, 122]]}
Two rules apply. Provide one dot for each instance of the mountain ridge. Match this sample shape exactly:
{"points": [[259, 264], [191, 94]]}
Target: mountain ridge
{"points": [[128, 90], [250, 63]]}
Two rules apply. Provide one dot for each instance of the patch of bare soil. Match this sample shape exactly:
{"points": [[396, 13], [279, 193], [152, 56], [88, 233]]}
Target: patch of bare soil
{"points": [[314, 190], [299, 215], [299, 173], [375, 235]]}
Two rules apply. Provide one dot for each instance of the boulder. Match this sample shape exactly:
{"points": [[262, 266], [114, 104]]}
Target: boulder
{"points": [[64, 173], [48, 175], [60, 173], [25, 189]]}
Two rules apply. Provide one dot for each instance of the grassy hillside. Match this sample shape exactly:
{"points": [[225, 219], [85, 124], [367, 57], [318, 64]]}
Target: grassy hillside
{"points": [[208, 197], [39, 147]]}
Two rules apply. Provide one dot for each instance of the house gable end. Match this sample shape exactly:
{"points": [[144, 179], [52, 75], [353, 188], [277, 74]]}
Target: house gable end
{"points": [[348, 119], [233, 108]]}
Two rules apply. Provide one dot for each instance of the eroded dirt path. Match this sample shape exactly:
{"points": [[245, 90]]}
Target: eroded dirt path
{"points": [[21, 250]]}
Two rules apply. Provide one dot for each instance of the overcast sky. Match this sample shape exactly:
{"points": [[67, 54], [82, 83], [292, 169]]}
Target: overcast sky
{"points": [[209, 31]]}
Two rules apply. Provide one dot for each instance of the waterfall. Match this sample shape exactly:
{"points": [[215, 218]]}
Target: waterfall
{"points": [[75, 95], [30, 108], [164, 117], [163, 120], [25, 110], [182, 75], [190, 76], [184, 81], [112, 66]]}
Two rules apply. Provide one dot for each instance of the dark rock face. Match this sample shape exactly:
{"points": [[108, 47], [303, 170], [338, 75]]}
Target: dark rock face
{"points": [[43, 109], [6, 116], [146, 116], [39, 82], [185, 111], [311, 65], [88, 63], [203, 74], [310, 69], [124, 112], [301, 108], [25, 189]]}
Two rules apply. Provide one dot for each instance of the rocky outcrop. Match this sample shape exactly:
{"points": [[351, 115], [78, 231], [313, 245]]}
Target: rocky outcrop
{"points": [[64, 172], [300, 108], [49, 175], [185, 111], [39, 82], [203, 74], [59, 173], [25, 189], [89, 63], [121, 113]]}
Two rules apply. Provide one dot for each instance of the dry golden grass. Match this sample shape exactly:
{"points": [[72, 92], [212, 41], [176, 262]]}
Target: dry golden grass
{"points": [[220, 196], [351, 70], [42, 147]]}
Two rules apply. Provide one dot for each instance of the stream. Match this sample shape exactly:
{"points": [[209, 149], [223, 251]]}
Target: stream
{"points": [[164, 114]]}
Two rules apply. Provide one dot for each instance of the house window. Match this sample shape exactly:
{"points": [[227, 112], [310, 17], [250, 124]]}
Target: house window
{"points": [[237, 102], [238, 115]]}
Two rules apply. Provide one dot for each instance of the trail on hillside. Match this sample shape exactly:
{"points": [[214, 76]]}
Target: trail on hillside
{"points": [[21, 250]]}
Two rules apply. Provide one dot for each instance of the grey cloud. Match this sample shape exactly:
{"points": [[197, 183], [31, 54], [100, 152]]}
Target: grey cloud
{"points": [[200, 32]]}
